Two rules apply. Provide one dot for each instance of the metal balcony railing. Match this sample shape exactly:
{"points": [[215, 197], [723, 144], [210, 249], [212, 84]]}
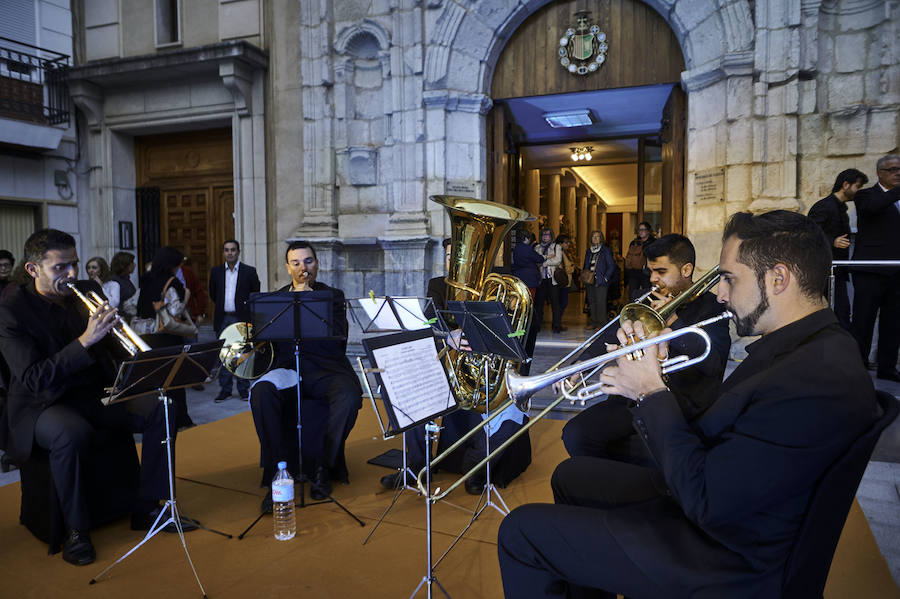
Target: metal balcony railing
{"points": [[33, 83]]}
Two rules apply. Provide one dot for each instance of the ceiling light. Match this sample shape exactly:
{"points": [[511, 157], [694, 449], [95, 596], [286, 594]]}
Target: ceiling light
{"points": [[582, 153], [569, 118]]}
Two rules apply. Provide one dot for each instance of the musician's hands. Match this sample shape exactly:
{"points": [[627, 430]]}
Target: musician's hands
{"points": [[658, 299], [457, 340], [304, 283], [630, 378], [99, 325]]}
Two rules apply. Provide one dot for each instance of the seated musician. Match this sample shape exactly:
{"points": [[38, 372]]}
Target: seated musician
{"points": [[605, 429], [59, 361], [721, 512], [326, 378], [506, 466]]}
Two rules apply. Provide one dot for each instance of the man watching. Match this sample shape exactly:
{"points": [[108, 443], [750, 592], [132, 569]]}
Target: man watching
{"points": [[830, 214], [606, 429], [327, 378], [876, 290], [230, 286], [6, 266], [720, 514], [59, 362]]}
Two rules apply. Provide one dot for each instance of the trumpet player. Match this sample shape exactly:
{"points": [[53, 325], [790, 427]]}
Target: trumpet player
{"points": [[59, 362], [720, 513], [605, 429]]}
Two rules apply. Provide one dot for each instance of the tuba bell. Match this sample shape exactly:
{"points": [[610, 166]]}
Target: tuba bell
{"points": [[478, 228]]}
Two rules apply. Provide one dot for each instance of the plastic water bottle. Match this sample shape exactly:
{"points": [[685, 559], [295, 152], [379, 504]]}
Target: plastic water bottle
{"points": [[283, 504]]}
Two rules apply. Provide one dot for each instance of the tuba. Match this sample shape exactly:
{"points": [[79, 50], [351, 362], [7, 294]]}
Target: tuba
{"points": [[478, 228]]}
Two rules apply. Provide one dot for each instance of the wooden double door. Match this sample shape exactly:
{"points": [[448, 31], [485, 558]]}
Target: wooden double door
{"points": [[185, 196]]}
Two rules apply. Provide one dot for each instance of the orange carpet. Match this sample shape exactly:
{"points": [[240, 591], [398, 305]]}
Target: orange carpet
{"points": [[217, 484]]}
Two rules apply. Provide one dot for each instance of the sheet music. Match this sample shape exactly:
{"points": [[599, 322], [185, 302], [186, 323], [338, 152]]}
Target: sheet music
{"points": [[414, 380], [409, 309], [379, 313]]}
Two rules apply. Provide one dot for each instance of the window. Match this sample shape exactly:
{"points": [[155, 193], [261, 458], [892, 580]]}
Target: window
{"points": [[168, 25]]}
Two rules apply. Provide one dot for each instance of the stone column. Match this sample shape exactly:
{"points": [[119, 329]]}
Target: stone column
{"points": [[553, 191], [592, 213], [533, 196], [569, 204], [582, 222]]}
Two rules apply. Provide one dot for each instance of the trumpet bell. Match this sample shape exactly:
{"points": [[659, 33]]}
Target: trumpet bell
{"points": [[243, 357]]}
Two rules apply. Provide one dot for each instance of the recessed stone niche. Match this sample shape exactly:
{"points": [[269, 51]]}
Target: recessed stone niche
{"points": [[363, 166]]}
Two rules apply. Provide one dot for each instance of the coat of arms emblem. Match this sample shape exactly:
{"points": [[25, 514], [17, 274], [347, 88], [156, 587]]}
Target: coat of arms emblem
{"points": [[582, 49]]}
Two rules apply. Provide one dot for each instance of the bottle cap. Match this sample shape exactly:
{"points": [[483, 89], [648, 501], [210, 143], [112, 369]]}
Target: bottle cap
{"points": [[282, 465]]}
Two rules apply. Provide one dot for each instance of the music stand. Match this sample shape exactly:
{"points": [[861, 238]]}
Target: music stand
{"points": [[489, 332], [158, 371], [415, 392], [292, 316]]}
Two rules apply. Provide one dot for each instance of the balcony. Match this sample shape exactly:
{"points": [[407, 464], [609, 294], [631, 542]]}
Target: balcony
{"points": [[33, 84]]}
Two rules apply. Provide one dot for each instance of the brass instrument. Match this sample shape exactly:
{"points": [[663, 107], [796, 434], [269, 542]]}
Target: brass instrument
{"points": [[522, 388], [241, 355], [128, 339], [478, 228]]}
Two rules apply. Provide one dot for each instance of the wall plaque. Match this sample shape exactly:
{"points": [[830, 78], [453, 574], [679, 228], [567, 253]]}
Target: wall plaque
{"points": [[460, 188], [709, 186]]}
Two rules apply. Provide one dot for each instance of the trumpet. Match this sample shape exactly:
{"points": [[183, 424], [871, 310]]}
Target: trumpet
{"points": [[522, 388], [128, 339]]}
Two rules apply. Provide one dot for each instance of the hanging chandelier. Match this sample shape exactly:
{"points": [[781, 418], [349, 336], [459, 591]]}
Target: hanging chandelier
{"points": [[581, 153]]}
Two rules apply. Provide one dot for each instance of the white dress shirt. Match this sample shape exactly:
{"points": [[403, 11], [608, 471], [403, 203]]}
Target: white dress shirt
{"points": [[231, 276]]}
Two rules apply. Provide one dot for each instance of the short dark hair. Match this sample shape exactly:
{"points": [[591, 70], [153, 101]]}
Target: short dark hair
{"points": [[40, 242], [7, 255], [786, 237], [677, 248], [165, 260], [851, 176], [120, 263], [561, 239], [526, 234], [300, 245], [234, 241], [104, 267], [446, 243], [644, 223]]}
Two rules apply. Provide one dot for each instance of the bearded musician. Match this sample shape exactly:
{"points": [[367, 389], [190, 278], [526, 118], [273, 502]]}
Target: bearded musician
{"points": [[605, 429], [330, 392]]}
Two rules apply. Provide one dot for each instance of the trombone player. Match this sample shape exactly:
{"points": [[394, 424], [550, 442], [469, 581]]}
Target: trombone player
{"points": [[605, 429], [723, 509]]}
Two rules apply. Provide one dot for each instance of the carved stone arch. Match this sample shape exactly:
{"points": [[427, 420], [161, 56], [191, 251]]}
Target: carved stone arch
{"points": [[343, 40], [716, 37]]}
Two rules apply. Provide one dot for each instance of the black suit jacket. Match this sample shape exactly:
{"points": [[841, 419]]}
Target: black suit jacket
{"points": [[831, 216], [878, 227], [247, 283], [740, 487], [320, 359], [45, 365]]}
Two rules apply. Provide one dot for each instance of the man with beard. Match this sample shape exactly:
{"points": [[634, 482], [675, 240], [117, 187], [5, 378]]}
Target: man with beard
{"points": [[831, 214], [721, 512]]}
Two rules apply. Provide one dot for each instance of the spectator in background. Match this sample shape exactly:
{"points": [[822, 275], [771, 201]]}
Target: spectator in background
{"points": [[830, 214], [598, 261], [121, 267], [19, 276], [6, 265], [562, 291], [526, 262], [198, 299], [98, 271], [552, 255], [637, 276], [877, 289]]}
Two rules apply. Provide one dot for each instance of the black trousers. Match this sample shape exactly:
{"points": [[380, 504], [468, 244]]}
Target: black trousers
{"points": [[546, 291], [329, 407], [567, 549], [605, 430], [841, 305], [65, 431], [875, 294]]}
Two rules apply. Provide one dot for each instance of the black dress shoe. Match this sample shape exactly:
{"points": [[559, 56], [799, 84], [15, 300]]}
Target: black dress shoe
{"points": [[474, 487], [222, 396], [320, 486], [78, 549], [143, 521], [266, 506], [891, 375], [392, 481]]}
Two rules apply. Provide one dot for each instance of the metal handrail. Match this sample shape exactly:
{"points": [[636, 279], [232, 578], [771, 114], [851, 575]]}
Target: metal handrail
{"points": [[835, 263]]}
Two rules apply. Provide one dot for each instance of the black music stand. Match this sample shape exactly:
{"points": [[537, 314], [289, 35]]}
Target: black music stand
{"points": [[405, 364], [155, 372], [293, 316]]}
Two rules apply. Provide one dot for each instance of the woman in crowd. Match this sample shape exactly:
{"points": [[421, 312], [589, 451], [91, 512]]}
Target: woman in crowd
{"points": [[596, 274], [161, 285], [98, 271], [564, 241], [526, 262], [552, 255], [121, 267], [637, 277]]}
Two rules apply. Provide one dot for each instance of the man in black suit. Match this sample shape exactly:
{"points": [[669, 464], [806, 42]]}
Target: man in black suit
{"points": [[721, 512], [327, 379], [230, 286], [830, 214], [877, 290], [60, 359], [605, 429]]}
